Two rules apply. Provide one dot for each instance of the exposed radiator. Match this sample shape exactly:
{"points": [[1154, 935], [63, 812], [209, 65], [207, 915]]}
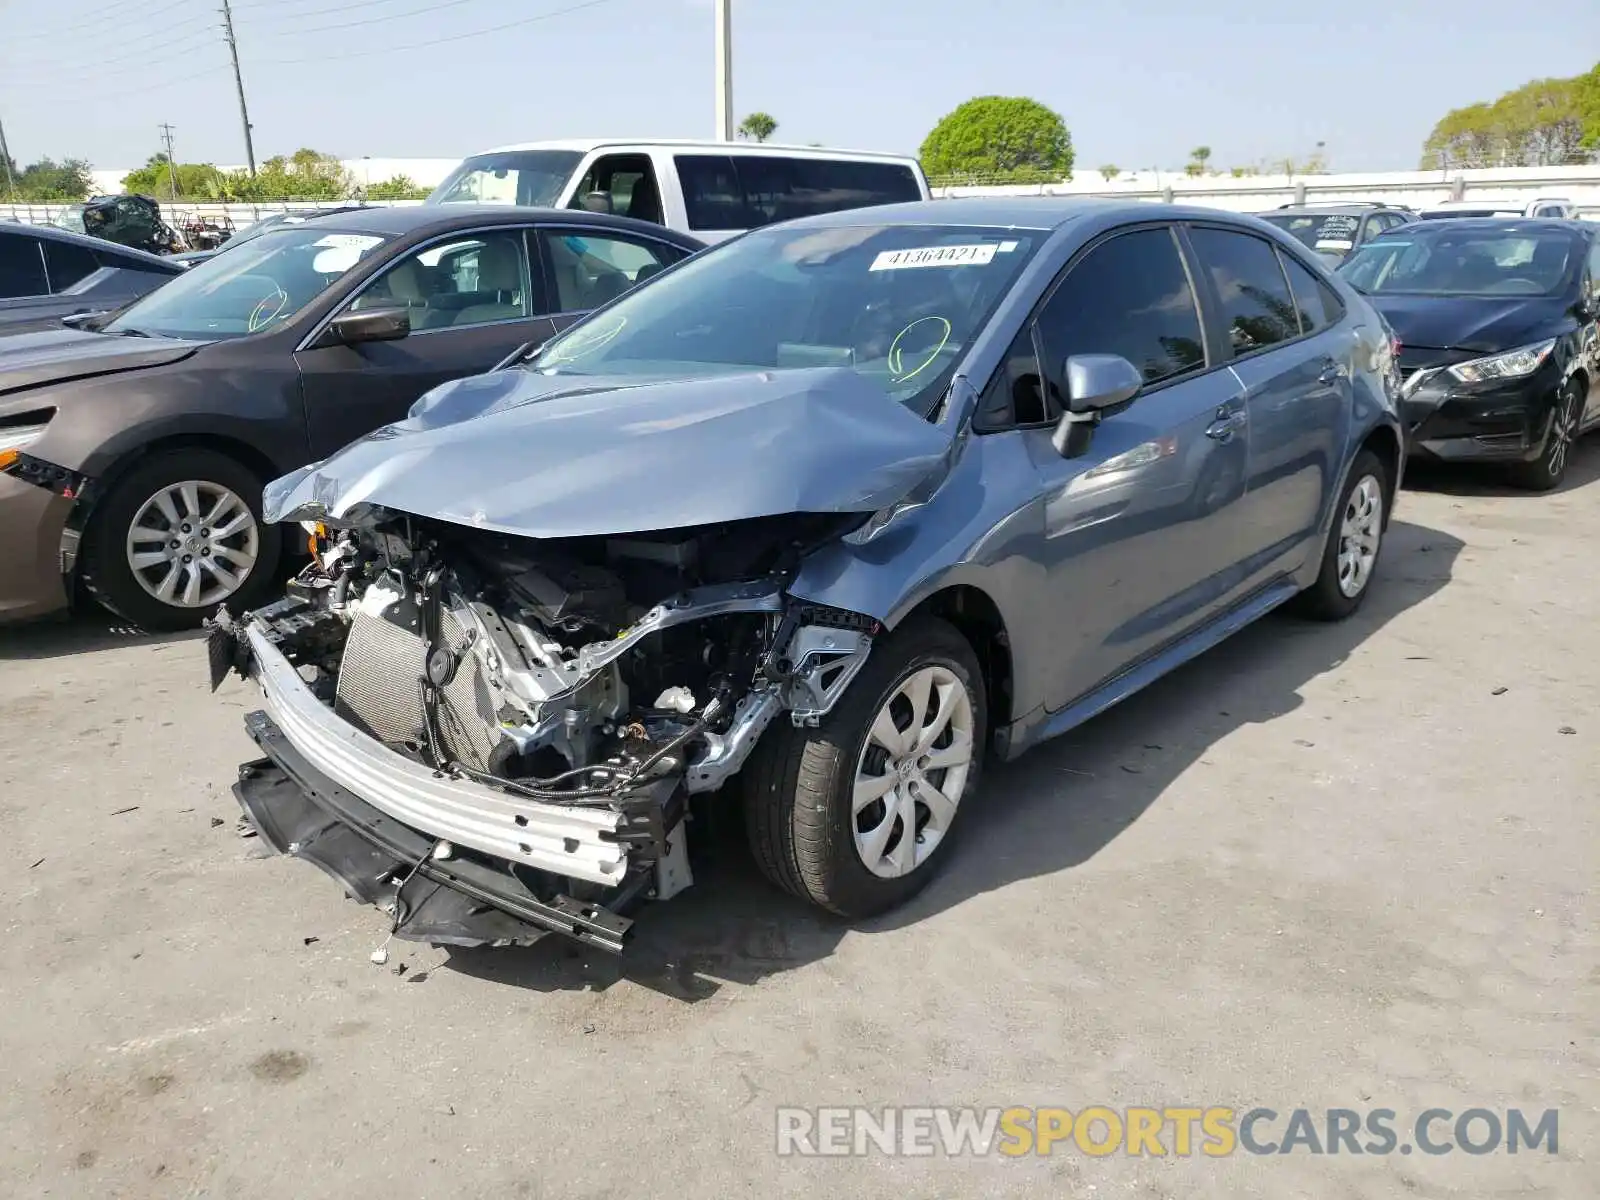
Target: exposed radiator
{"points": [[380, 689]]}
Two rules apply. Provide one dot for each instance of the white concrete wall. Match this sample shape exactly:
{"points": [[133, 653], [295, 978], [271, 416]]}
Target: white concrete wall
{"points": [[1418, 189]]}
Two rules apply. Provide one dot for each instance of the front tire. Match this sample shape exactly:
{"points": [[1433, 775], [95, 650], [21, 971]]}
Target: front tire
{"points": [[1355, 539], [1548, 470], [176, 537], [856, 815]]}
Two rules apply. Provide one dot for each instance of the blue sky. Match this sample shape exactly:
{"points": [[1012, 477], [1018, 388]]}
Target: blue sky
{"points": [[1139, 82]]}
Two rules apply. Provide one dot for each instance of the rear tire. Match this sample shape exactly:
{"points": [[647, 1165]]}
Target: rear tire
{"points": [[806, 830], [1355, 540], [189, 567]]}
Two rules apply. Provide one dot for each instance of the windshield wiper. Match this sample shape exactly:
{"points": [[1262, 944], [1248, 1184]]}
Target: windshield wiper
{"points": [[129, 331]]}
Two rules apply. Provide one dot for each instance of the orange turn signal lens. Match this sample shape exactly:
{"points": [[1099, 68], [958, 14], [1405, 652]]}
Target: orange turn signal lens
{"points": [[7, 457]]}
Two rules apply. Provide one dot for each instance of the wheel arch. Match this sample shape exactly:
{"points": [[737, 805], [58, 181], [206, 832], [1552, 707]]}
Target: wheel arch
{"points": [[977, 617], [1384, 442], [83, 513]]}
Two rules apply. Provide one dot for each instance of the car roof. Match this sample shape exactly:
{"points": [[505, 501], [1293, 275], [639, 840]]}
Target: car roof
{"points": [[1488, 224], [406, 220], [1015, 212], [585, 145], [51, 233], [1330, 210]]}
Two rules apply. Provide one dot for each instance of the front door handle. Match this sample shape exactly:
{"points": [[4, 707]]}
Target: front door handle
{"points": [[1225, 426], [1331, 374]]}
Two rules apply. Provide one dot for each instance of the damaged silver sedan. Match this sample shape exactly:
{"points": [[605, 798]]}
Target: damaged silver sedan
{"points": [[810, 523]]}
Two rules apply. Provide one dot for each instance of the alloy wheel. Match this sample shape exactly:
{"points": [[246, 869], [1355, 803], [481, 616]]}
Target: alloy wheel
{"points": [[193, 544], [1563, 427], [1359, 534], [912, 771]]}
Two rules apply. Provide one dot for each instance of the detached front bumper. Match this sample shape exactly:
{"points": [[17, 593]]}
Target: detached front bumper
{"points": [[374, 819]]}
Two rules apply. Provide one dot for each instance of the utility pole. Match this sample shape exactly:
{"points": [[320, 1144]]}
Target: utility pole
{"points": [[238, 82], [5, 160], [724, 70], [172, 170]]}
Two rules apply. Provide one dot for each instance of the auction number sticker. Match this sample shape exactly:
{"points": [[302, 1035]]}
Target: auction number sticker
{"points": [[975, 254]]}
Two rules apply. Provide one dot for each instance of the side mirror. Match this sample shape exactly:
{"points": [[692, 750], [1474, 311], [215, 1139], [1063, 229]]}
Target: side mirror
{"points": [[351, 328], [1095, 383], [598, 202]]}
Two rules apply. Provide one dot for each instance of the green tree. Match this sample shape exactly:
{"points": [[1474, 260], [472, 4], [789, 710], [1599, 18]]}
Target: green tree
{"points": [[758, 126], [48, 180], [1542, 123], [1110, 171], [1586, 96], [1198, 158], [398, 187], [999, 139], [303, 175], [196, 181]]}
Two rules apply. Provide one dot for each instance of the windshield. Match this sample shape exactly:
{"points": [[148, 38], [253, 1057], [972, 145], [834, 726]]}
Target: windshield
{"points": [[1442, 261], [534, 177], [256, 287], [897, 304], [1326, 233], [69, 218]]}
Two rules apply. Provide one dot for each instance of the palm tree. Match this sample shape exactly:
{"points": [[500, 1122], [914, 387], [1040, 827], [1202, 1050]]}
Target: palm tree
{"points": [[758, 126]]}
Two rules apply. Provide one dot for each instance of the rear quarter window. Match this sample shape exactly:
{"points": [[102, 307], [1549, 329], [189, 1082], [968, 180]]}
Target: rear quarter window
{"points": [[747, 191]]}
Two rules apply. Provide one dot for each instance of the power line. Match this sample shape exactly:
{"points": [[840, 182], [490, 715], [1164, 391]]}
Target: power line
{"points": [[458, 37], [400, 16], [277, 8], [184, 47], [76, 31]]}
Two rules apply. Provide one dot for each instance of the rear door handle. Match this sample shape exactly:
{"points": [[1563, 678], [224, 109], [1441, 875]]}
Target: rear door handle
{"points": [[1331, 374]]}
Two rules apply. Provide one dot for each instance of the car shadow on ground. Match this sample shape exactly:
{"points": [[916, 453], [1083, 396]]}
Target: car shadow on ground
{"points": [[1048, 812], [1458, 479], [88, 629]]}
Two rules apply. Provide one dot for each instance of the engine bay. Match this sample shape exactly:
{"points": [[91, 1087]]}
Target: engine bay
{"points": [[624, 674]]}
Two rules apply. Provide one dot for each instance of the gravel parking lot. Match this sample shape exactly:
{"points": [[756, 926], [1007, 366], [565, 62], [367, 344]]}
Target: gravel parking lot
{"points": [[1327, 866]]}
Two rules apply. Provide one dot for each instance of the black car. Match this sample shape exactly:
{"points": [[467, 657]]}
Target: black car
{"points": [[1499, 348], [47, 274], [132, 455], [1334, 230]]}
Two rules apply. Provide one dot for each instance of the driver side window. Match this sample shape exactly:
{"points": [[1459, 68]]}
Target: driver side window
{"points": [[475, 279], [1130, 296]]}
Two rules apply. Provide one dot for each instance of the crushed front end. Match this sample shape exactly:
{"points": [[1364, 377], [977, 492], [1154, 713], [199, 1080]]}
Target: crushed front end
{"points": [[497, 737]]}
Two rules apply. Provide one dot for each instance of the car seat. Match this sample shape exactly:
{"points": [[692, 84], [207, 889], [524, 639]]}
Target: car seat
{"points": [[499, 275]]}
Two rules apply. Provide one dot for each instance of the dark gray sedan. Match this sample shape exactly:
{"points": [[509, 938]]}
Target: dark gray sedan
{"points": [[47, 274], [133, 451], [837, 508]]}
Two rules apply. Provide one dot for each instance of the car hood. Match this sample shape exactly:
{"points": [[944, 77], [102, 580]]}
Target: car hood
{"points": [[32, 359], [570, 456], [1482, 324]]}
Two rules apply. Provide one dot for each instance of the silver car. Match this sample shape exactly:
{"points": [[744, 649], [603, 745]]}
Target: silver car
{"points": [[813, 522]]}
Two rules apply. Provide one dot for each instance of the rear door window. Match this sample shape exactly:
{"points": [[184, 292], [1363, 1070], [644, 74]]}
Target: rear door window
{"points": [[590, 268], [21, 266], [1256, 304], [68, 264], [745, 191]]}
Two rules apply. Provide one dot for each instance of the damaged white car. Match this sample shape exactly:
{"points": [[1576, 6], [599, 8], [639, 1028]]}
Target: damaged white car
{"points": [[800, 524]]}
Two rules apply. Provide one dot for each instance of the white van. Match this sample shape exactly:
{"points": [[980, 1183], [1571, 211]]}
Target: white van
{"points": [[1542, 206], [711, 190]]}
